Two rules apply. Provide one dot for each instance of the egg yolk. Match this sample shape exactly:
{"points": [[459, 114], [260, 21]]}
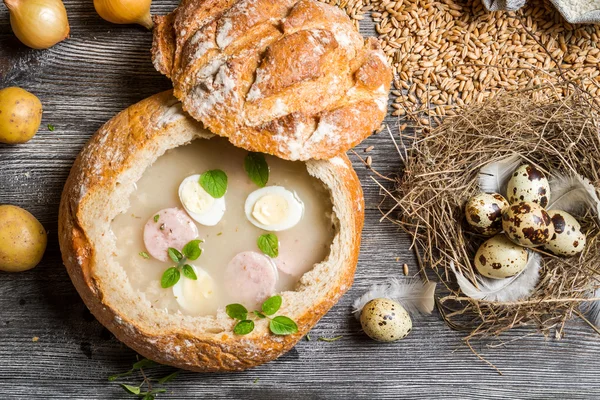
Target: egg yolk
{"points": [[194, 292], [270, 209], [195, 198]]}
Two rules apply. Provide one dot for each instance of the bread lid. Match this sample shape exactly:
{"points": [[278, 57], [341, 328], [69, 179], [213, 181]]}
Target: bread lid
{"points": [[289, 78], [98, 189]]}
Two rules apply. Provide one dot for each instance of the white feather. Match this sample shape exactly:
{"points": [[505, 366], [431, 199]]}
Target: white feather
{"points": [[414, 295], [494, 177], [594, 310], [509, 289], [574, 194]]}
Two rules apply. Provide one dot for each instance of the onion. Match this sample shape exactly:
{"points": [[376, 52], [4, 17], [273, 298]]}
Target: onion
{"points": [[39, 24], [125, 11]]}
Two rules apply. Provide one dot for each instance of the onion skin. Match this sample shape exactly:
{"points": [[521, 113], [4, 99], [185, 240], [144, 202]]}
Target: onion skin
{"points": [[39, 24], [125, 11]]}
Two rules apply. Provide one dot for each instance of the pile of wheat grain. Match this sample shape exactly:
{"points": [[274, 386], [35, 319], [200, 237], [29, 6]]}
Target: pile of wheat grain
{"points": [[354, 9], [453, 52]]}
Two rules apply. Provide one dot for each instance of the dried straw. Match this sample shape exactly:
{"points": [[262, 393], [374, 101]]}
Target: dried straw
{"points": [[440, 174], [507, 83]]}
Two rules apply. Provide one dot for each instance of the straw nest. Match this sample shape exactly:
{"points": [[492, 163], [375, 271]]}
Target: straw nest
{"points": [[441, 171]]}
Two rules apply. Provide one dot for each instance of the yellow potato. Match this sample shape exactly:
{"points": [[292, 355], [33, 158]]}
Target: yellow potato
{"points": [[22, 239], [20, 115]]}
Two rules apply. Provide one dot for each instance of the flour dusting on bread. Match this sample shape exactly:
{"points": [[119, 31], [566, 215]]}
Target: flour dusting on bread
{"points": [[243, 65], [171, 115]]}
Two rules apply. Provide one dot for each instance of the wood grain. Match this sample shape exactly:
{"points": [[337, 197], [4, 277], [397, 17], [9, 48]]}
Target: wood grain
{"points": [[104, 68]]}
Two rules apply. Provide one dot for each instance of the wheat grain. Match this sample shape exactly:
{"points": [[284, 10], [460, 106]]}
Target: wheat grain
{"points": [[452, 52]]}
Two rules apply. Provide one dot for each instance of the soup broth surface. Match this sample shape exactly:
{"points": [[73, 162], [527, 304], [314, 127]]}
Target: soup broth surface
{"points": [[300, 247]]}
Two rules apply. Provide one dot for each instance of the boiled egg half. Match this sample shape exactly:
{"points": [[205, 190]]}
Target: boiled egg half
{"points": [[192, 294], [200, 205], [274, 208]]}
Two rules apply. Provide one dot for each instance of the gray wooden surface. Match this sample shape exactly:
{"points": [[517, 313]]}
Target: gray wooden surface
{"points": [[104, 68]]}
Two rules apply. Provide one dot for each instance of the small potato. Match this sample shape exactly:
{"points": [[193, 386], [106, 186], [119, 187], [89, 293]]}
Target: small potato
{"points": [[22, 239], [20, 115]]}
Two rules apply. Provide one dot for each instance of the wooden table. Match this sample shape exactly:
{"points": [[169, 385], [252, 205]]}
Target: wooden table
{"points": [[104, 68]]}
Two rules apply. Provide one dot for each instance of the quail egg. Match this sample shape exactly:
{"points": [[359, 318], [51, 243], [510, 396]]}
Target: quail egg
{"points": [[528, 183], [484, 213], [527, 224], [499, 258], [568, 239], [274, 208], [385, 320], [200, 205], [193, 294]]}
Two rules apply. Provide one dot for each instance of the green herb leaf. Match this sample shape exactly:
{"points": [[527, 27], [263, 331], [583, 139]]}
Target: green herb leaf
{"points": [[307, 337], [283, 326], [144, 254], [131, 389], [268, 244], [257, 169], [144, 363], [272, 305], [113, 378], [236, 311], [192, 249], [256, 380], [51, 127], [244, 327], [259, 314], [170, 277], [189, 272], [175, 254], [214, 182], [168, 378], [149, 395], [156, 217], [329, 339]]}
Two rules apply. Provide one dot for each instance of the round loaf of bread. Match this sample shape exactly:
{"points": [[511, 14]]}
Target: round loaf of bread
{"points": [[290, 78], [98, 189]]}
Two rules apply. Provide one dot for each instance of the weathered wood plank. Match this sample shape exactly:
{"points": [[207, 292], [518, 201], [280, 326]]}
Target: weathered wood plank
{"points": [[104, 68]]}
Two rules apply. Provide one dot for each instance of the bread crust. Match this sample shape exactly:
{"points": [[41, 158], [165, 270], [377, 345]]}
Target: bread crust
{"points": [[291, 78], [97, 190]]}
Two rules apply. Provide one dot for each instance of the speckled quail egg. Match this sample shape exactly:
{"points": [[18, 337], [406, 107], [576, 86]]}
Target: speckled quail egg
{"points": [[499, 258], [385, 320], [527, 224], [528, 183], [568, 239], [484, 213]]}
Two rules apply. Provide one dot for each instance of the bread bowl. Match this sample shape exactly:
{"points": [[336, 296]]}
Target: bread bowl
{"points": [[98, 189], [290, 79]]}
